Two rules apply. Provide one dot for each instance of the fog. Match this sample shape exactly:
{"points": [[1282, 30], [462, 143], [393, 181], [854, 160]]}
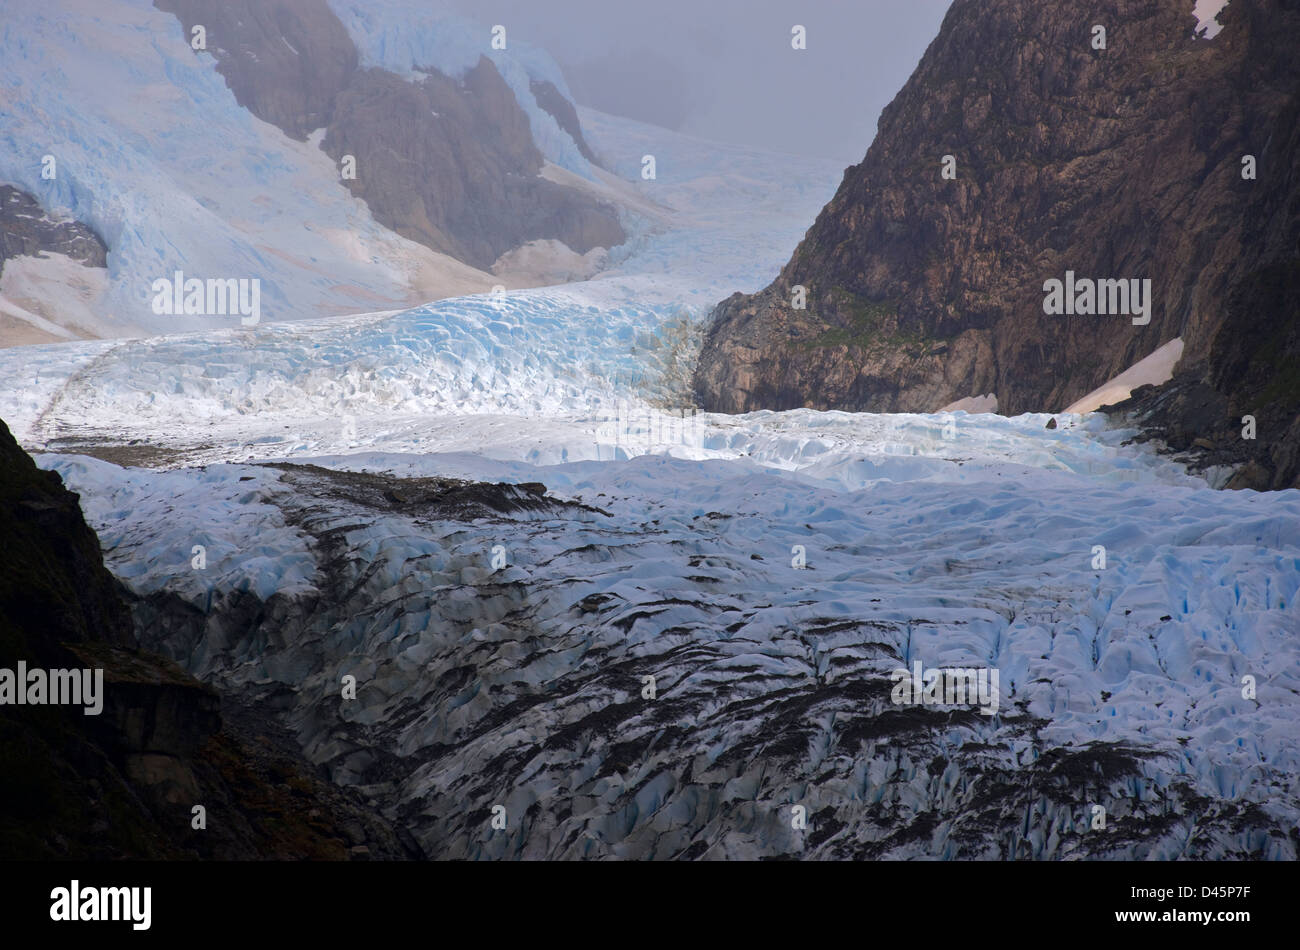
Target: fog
{"points": [[725, 69]]}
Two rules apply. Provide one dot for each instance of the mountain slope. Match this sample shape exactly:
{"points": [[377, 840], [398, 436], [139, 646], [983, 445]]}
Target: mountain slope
{"points": [[1123, 162], [227, 162], [450, 164], [57, 267]]}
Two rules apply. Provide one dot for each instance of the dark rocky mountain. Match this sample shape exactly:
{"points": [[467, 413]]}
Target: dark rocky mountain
{"points": [[1123, 162], [562, 110], [123, 783], [26, 230], [451, 165], [1253, 370]]}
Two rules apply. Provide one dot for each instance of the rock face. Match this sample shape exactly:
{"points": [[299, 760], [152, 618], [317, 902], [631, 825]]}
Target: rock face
{"points": [[1123, 162], [286, 61], [454, 167], [26, 230], [562, 110], [1251, 380], [450, 165], [123, 783]]}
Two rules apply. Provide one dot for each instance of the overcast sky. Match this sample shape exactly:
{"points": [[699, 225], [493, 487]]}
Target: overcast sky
{"points": [[725, 69]]}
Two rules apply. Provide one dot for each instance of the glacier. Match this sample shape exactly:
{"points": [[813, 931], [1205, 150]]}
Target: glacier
{"points": [[652, 634], [176, 175], [522, 684]]}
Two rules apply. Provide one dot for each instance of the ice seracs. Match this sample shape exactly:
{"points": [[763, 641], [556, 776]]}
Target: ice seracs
{"points": [[498, 658]]}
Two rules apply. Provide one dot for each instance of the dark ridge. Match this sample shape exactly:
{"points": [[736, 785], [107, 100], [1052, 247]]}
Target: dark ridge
{"points": [[1116, 163], [26, 230], [562, 110], [451, 498], [122, 784]]}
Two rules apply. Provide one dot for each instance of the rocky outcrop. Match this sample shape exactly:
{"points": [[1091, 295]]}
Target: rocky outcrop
{"points": [[26, 230], [123, 783], [561, 109], [1122, 162], [286, 61], [449, 164], [1239, 409], [454, 167]]}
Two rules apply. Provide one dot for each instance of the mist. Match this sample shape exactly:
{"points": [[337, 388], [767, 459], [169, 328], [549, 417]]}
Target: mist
{"points": [[726, 69]]}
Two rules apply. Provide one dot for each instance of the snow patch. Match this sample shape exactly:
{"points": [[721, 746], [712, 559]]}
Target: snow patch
{"points": [[986, 403], [1154, 369]]}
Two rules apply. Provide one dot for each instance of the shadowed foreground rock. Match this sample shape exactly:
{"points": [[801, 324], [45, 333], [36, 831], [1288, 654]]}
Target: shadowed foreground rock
{"points": [[122, 784]]}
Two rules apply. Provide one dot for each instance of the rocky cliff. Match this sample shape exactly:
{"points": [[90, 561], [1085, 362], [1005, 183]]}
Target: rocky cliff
{"points": [[26, 230], [1122, 162], [286, 61], [450, 164], [453, 166], [1249, 384], [123, 783]]}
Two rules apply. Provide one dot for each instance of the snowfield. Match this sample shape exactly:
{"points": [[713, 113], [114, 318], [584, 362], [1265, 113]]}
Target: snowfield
{"points": [[692, 627], [152, 151]]}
